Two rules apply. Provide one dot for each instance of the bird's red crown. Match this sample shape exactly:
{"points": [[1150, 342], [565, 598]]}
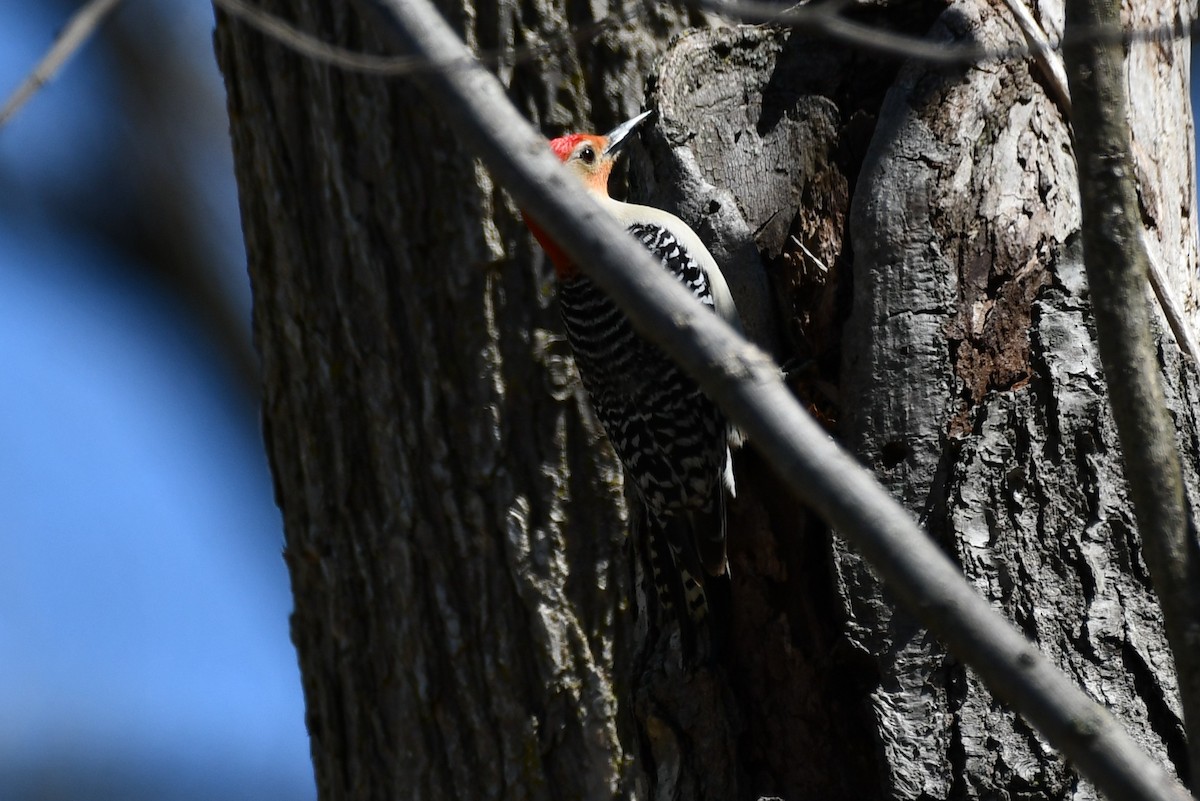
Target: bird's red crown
{"points": [[564, 145]]}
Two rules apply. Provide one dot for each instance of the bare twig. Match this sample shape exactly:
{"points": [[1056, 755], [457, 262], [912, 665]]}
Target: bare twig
{"points": [[1167, 301], [77, 31], [306, 44], [318, 50], [747, 385], [825, 18], [1116, 261], [1045, 55]]}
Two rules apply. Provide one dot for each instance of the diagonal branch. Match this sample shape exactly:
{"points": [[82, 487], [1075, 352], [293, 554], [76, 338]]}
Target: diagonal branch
{"points": [[747, 385]]}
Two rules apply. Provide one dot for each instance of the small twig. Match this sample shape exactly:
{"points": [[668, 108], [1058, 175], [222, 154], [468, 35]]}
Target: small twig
{"points": [[1167, 301], [823, 267], [321, 51], [1045, 55], [824, 18], [79, 28]]}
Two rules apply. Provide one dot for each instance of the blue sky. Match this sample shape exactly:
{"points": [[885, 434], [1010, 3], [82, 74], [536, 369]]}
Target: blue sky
{"points": [[144, 648]]}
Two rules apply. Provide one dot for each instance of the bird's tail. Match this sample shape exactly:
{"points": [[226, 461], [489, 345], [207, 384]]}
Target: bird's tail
{"points": [[685, 555]]}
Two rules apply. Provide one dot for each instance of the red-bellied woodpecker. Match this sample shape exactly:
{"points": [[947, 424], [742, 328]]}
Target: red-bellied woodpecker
{"points": [[672, 440]]}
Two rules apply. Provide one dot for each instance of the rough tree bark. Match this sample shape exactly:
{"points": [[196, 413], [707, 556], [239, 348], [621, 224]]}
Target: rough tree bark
{"points": [[454, 523]]}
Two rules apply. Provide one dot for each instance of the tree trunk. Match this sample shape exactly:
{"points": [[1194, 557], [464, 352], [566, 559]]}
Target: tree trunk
{"points": [[453, 515]]}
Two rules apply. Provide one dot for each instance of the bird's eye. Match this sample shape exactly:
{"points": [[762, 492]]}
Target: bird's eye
{"points": [[587, 154]]}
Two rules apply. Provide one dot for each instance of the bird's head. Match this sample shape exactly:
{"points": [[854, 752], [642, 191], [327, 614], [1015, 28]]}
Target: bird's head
{"points": [[591, 157]]}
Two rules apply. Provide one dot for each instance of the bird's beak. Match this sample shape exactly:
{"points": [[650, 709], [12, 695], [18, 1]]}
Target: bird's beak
{"points": [[618, 136]]}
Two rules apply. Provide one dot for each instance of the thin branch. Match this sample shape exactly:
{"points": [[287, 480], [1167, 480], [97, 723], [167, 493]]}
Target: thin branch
{"points": [[825, 18], [1116, 261], [747, 385], [78, 30], [1048, 59], [1167, 301], [321, 51]]}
